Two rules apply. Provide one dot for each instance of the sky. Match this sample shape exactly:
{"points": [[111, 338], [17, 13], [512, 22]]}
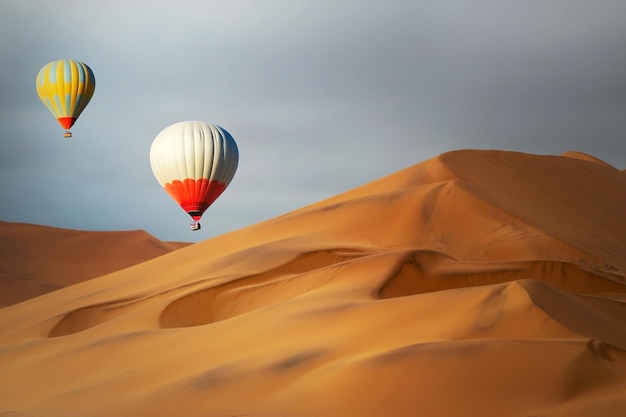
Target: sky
{"points": [[321, 96]]}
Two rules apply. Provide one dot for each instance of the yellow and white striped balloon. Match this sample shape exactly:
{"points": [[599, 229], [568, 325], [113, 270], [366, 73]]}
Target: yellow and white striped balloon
{"points": [[65, 86]]}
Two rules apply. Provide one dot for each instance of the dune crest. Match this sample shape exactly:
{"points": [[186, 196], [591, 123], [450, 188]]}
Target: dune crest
{"points": [[584, 157], [576, 203], [476, 283], [596, 317]]}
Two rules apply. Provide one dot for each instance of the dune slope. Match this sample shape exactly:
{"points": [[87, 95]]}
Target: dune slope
{"points": [[39, 259], [477, 283]]}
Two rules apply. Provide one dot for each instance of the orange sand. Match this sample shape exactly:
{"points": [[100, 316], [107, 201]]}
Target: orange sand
{"points": [[38, 259], [477, 283]]}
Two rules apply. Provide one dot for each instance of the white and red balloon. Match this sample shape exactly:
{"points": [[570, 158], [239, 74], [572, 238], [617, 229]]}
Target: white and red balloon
{"points": [[194, 162]]}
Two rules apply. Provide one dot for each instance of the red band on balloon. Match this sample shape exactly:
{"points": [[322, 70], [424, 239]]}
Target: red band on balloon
{"points": [[67, 122], [195, 196]]}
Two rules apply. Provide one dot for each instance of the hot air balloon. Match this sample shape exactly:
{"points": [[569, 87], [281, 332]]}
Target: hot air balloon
{"points": [[65, 86], [194, 162]]}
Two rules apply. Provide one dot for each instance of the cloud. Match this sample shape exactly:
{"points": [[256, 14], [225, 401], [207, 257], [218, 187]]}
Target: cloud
{"points": [[321, 96]]}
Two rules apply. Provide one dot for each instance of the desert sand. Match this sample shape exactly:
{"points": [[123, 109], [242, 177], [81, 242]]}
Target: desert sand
{"points": [[38, 259], [477, 283]]}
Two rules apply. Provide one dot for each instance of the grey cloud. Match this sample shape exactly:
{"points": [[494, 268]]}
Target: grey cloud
{"points": [[322, 96]]}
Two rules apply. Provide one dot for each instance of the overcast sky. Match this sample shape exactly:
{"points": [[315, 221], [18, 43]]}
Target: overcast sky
{"points": [[320, 95]]}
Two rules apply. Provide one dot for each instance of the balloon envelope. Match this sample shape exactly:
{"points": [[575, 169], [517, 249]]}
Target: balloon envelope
{"points": [[194, 162], [65, 86]]}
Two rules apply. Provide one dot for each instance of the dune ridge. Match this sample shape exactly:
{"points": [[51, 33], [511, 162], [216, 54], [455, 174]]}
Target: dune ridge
{"points": [[579, 212], [476, 283]]}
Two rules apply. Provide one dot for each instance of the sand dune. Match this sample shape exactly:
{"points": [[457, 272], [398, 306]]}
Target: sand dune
{"points": [[39, 259], [477, 283]]}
